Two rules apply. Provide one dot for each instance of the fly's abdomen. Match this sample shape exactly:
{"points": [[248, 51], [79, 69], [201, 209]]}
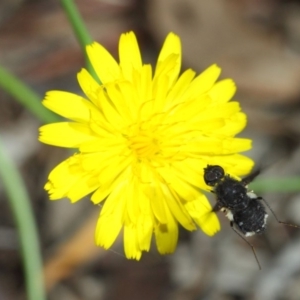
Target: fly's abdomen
{"points": [[251, 220]]}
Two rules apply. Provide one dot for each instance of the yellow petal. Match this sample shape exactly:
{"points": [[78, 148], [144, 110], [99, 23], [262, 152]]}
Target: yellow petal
{"points": [[183, 188], [115, 204], [190, 170], [178, 211], [132, 203], [129, 52], [120, 103], [68, 105], [82, 187], [169, 59], [160, 93], [179, 88], [145, 91], [166, 235], [172, 45], [201, 211], [157, 203], [232, 125], [194, 110], [203, 82], [101, 193], [89, 85], [233, 164], [107, 183], [145, 228], [131, 96], [224, 111], [204, 146], [105, 66], [234, 145], [107, 230], [65, 134], [215, 146], [63, 177], [222, 91], [108, 109], [131, 246], [118, 144], [111, 218], [57, 193]]}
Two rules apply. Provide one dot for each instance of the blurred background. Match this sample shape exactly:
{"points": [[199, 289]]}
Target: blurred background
{"points": [[257, 43]]}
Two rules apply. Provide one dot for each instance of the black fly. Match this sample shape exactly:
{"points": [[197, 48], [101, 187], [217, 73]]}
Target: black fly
{"points": [[242, 207]]}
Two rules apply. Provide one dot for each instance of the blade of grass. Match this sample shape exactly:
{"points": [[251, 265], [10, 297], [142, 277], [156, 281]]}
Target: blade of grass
{"points": [[281, 185], [27, 97], [80, 31], [26, 226]]}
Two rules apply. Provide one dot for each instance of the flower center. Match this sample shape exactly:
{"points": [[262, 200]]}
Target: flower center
{"points": [[145, 144]]}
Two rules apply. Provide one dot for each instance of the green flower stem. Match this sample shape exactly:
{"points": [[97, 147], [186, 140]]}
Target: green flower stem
{"points": [[23, 94], [80, 31], [21, 209], [283, 185]]}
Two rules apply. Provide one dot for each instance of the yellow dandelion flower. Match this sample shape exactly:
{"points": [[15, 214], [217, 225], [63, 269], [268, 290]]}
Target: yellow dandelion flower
{"points": [[143, 141]]}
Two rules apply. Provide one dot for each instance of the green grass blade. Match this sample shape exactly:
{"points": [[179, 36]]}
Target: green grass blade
{"points": [[26, 226]]}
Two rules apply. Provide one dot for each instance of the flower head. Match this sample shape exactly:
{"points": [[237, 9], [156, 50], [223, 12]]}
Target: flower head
{"points": [[143, 141]]}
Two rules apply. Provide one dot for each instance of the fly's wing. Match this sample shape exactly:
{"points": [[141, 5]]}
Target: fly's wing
{"points": [[246, 180], [202, 213]]}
